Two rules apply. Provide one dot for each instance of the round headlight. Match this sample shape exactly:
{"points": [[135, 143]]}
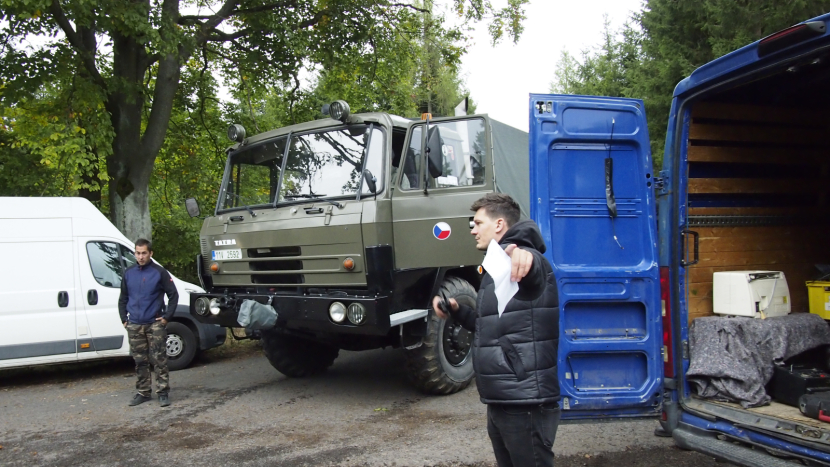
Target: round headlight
{"points": [[337, 312], [357, 313], [236, 132], [202, 304], [214, 306], [339, 110]]}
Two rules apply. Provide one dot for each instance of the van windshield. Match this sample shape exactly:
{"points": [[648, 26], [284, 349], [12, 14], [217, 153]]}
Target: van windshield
{"points": [[325, 164]]}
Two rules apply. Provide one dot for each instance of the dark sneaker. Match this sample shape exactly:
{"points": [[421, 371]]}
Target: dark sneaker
{"points": [[164, 401], [139, 399]]}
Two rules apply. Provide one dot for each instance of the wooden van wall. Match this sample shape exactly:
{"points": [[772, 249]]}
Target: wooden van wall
{"points": [[759, 183]]}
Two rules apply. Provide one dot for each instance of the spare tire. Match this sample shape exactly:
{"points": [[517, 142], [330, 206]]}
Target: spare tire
{"points": [[296, 357]]}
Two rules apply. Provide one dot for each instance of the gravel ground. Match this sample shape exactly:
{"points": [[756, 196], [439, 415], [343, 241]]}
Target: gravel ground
{"points": [[232, 408]]}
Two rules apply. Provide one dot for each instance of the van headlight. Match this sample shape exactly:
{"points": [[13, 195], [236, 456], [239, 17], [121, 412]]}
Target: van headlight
{"points": [[357, 313], [337, 312], [214, 306], [202, 304]]}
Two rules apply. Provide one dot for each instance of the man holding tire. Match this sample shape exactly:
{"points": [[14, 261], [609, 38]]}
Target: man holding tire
{"points": [[141, 306], [515, 354]]}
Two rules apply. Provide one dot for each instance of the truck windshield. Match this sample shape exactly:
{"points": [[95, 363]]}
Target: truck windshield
{"points": [[325, 164]]}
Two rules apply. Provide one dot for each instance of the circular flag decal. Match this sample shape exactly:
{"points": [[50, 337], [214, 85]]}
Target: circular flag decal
{"points": [[442, 231]]}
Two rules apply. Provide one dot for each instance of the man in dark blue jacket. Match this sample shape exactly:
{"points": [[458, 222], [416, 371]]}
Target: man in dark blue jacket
{"points": [[142, 310], [515, 353]]}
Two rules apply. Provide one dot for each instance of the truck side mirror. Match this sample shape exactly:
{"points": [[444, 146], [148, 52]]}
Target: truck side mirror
{"points": [[192, 207], [370, 181], [434, 152]]}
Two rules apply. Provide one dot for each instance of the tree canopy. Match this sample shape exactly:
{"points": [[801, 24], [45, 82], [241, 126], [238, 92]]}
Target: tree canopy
{"points": [[119, 101], [129, 59]]}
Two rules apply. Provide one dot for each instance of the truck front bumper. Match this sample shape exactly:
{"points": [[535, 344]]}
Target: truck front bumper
{"points": [[301, 312]]}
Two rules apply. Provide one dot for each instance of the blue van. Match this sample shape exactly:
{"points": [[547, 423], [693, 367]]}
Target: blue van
{"points": [[745, 185]]}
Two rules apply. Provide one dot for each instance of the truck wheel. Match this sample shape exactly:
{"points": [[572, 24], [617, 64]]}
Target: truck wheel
{"points": [[181, 346], [295, 357], [444, 363]]}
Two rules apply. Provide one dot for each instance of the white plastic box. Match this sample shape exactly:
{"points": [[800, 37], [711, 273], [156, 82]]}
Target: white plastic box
{"points": [[758, 294]]}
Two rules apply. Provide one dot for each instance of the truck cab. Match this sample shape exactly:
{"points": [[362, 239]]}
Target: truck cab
{"points": [[743, 187], [347, 227]]}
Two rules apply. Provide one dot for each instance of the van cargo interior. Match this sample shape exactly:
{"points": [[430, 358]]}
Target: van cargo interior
{"points": [[759, 195]]}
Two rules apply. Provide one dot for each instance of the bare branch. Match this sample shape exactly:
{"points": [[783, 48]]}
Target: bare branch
{"points": [[78, 42], [411, 7], [219, 36]]}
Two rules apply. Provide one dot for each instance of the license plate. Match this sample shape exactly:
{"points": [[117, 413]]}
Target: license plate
{"points": [[223, 255]]}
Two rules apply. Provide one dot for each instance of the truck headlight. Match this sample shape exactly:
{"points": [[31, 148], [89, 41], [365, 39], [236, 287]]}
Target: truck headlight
{"points": [[202, 304], [337, 312], [357, 313], [214, 306]]}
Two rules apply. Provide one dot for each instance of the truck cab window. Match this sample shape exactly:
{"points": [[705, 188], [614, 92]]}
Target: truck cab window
{"points": [[105, 261], [254, 175], [463, 155], [329, 164]]}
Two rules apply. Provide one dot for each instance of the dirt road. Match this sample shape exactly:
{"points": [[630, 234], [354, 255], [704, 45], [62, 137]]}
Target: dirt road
{"points": [[235, 409]]}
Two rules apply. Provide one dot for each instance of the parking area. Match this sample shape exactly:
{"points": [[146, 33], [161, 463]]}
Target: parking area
{"points": [[233, 408]]}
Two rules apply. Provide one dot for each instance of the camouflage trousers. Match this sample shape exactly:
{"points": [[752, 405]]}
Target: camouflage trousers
{"points": [[148, 346]]}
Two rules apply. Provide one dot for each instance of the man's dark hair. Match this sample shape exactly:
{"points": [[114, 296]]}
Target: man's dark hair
{"points": [[144, 242], [499, 205]]}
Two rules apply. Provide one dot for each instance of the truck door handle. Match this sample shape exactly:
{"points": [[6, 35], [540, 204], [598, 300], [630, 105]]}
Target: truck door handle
{"points": [[92, 297], [696, 251], [63, 299], [314, 210]]}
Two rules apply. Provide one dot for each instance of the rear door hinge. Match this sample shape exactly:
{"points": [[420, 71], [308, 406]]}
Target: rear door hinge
{"points": [[685, 345], [661, 183]]}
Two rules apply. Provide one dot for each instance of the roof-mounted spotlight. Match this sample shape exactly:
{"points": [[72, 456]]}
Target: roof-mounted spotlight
{"points": [[339, 110], [236, 132]]}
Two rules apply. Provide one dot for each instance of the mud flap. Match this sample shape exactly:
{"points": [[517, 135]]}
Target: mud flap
{"points": [[257, 316]]}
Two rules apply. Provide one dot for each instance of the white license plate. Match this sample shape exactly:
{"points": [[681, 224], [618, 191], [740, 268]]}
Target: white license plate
{"points": [[223, 255]]}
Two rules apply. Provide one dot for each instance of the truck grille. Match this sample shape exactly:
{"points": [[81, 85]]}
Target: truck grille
{"points": [[276, 265], [205, 254]]}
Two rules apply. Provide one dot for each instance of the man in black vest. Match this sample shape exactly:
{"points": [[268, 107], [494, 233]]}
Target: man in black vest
{"points": [[515, 353]]}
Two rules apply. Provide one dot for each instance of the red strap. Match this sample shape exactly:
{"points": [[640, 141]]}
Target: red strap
{"points": [[822, 417]]}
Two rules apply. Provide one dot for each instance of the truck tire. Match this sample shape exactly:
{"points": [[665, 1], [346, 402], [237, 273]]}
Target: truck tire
{"points": [[444, 363], [296, 357], [181, 346]]}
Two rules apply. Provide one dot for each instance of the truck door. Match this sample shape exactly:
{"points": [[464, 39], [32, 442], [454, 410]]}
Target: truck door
{"points": [[592, 196], [437, 219]]}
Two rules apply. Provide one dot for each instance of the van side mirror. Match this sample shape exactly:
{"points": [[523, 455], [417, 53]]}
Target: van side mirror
{"points": [[192, 207], [435, 155]]}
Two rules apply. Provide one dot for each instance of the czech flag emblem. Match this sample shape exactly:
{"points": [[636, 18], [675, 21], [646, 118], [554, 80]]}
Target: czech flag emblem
{"points": [[442, 231]]}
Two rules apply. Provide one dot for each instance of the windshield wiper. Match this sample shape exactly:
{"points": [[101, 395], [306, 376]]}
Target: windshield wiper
{"points": [[253, 214], [317, 197]]}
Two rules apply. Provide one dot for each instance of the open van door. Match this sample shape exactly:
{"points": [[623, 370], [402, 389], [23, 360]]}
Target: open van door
{"points": [[592, 194]]}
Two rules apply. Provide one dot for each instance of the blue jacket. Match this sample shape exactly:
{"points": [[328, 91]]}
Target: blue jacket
{"points": [[141, 300]]}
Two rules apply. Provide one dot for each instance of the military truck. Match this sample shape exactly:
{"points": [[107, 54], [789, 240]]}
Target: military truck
{"points": [[347, 227]]}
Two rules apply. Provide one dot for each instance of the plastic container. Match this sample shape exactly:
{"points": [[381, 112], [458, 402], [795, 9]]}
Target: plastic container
{"points": [[819, 294]]}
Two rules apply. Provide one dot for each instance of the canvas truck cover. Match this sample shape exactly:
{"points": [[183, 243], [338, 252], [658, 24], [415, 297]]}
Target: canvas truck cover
{"points": [[510, 154]]}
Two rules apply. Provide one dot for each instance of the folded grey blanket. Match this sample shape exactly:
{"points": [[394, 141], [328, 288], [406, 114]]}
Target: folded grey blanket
{"points": [[732, 358]]}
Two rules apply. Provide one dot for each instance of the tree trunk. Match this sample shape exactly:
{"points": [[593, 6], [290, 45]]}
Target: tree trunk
{"points": [[133, 154]]}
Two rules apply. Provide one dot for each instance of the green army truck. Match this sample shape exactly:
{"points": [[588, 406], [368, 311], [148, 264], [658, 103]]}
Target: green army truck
{"points": [[346, 227]]}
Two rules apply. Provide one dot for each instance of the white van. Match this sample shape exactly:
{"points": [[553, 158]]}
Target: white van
{"points": [[61, 263]]}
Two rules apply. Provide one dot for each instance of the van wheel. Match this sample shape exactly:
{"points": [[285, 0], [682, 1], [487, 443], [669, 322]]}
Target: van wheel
{"points": [[181, 346], [444, 363], [296, 357]]}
